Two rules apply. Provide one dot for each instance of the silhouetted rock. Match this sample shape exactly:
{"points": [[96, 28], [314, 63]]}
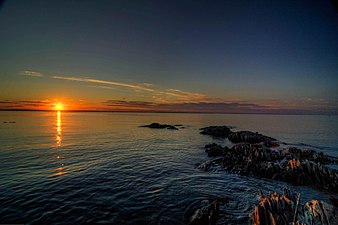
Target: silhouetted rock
{"points": [[160, 126], [334, 201], [9, 122], [216, 131], [252, 138], [215, 150], [286, 209]]}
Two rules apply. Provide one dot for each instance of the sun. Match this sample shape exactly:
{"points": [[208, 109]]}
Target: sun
{"points": [[58, 106]]}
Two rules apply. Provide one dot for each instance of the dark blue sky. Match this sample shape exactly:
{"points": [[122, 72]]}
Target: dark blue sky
{"points": [[273, 53]]}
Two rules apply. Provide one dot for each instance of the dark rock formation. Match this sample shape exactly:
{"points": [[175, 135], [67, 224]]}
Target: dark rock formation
{"points": [[310, 155], [216, 131], [9, 122], [283, 165], [206, 215], [285, 209], [252, 138], [210, 163], [160, 126], [215, 150]]}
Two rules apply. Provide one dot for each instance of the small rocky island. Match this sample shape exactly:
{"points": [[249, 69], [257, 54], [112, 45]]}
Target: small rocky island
{"points": [[163, 126], [260, 156]]}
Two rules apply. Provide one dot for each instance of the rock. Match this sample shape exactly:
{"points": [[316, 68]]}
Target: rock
{"points": [[334, 201], [206, 165], [207, 215], [310, 155], [160, 126], [215, 150], [252, 138], [9, 122], [216, 131], [285, 209], [283, 165]]}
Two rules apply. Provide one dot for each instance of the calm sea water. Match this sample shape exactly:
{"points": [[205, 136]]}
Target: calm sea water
{"points": [[101, 168]]}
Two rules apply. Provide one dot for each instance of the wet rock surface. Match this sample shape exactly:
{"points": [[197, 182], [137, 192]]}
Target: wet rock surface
{"points": [[286, 209], [162, 126], [216, 131], [252, 138], [207, 215], [300, 167]]}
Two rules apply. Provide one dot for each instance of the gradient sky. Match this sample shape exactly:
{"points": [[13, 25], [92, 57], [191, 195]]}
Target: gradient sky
{"points": [[200, 56]]}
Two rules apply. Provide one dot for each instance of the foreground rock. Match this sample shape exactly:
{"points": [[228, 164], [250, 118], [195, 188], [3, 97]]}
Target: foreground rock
{"points": [[252, 138], [301, 167], [216, 131], [285, 209], [161, 126], [206, 215]]}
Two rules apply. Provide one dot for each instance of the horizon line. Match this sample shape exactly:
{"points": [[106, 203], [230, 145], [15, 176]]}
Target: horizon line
{"points": [[184, 112]]}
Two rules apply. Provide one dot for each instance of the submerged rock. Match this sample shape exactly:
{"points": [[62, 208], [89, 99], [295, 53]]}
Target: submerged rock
{"points": [[283, 165], [252, 138], [160, 126], [285, 209], [216, 131]]}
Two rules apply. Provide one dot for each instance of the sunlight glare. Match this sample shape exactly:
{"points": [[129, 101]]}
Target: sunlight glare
{"points": [[58, 106]]}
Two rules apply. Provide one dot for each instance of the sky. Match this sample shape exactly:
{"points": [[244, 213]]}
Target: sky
{"points": [[170, 56]]}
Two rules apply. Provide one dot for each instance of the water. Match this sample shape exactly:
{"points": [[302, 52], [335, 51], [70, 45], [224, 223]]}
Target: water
{"points": [[101, 168]]}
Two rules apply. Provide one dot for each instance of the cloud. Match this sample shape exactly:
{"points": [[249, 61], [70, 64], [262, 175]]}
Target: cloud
{"points": [[25, 104], [202, 107], [30, 73], [159, 94], [102, 87], [89, 80]]}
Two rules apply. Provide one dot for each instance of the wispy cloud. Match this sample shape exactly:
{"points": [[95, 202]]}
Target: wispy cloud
{"points": [[31, 73], [159, 94], [25, 104], [153, 97], [205, 107], [89, 80]]}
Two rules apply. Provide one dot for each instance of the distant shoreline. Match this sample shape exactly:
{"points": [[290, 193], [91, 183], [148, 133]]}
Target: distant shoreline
{"points": [[175, 112]]}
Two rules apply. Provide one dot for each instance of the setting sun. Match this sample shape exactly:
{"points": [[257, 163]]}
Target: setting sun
{"points": [[58, 106]]}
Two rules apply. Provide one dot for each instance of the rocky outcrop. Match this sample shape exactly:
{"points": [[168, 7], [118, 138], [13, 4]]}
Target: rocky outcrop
{"points": [[161, 126], [206, 215], [239, 136], [216, 131], [286, 209], [257, 155], [214, 150], [283, 165], [308, 154], [252, 138]]}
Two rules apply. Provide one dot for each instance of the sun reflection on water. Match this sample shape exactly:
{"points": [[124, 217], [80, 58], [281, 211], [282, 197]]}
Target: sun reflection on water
{"points": [[58, 136], [58, 139]]}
